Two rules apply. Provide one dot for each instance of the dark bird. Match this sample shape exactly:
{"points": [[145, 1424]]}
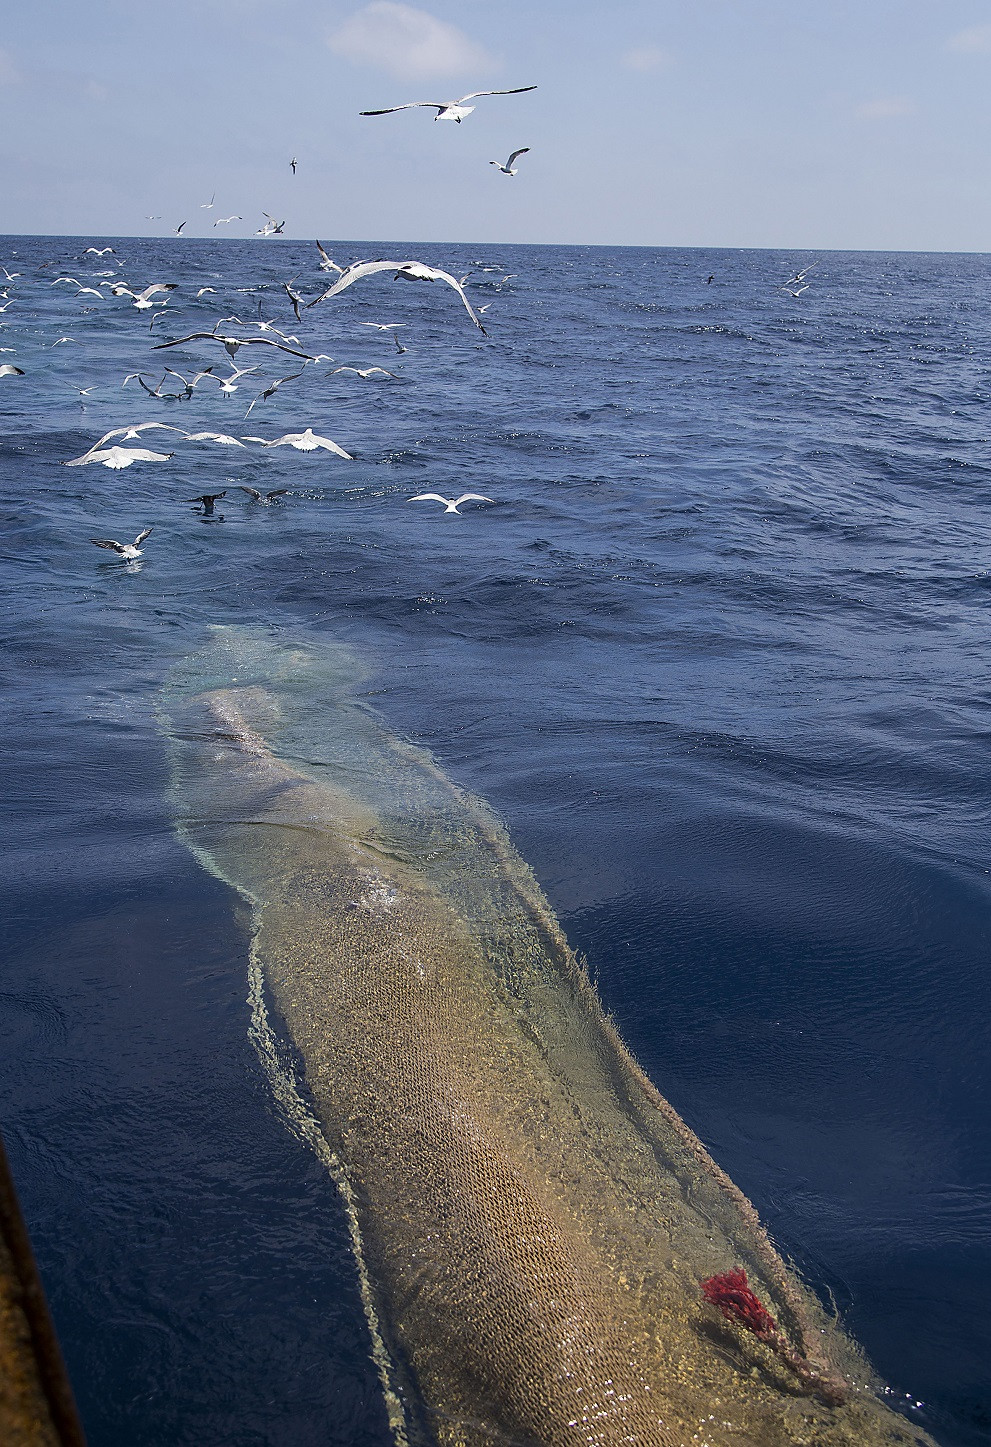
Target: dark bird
{"points": [[208, 499], [265, 497], [293, 165], [270, 391], [294, 297]]}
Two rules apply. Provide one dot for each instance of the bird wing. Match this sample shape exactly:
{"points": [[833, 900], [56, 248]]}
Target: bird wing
{"points": [[108, 543], [114, 432], [141, 537], [157, 287], [521, 152], [328, 263], [472, 497], [251, 491], [473, 94], [232, 341], [355, 272], [409, 106], [277, 492], [333, 447], [213, 437], [430, 497], [419, 272]]}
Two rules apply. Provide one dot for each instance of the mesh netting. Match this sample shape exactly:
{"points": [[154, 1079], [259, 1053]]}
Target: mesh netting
{"points": [[534, 1220]]}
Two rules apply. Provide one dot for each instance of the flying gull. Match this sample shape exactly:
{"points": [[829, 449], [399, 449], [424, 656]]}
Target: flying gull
{"points": [[409, 270], [126, 550], [270, 391], [98, 252], [118, 457], [307, 441], [226, 220], [228, 385], [366, 372], [131, 432], [293, 163], [271, 227], [451, 504], [9, 370], [449, 110], [143, 299], [232, 343], [188, 383], [220, 437], [509, 169], [326, 263], [208, 205]]}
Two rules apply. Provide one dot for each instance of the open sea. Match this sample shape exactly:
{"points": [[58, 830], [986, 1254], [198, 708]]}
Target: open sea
{"points": [[717, 652]]}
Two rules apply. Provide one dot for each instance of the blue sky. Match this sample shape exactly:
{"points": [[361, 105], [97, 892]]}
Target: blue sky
{"points": [[699, 123]]}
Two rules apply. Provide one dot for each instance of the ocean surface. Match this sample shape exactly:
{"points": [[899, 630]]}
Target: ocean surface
{"points": [[716, 651]]}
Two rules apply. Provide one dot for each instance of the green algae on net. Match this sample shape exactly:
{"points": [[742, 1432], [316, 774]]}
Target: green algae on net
{"points": [[547, 1254]]}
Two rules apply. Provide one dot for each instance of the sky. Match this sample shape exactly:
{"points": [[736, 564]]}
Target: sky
{"points": [[722, 123]]}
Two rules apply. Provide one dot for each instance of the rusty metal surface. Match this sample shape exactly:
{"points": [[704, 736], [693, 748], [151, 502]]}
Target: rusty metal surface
{"points": [[36, 1403]]}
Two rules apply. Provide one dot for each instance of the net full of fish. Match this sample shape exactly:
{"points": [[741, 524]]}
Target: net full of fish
{"points": [[531, 1220]]}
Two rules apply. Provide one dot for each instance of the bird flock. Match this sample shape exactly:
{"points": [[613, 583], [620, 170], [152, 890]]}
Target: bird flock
{"points": [[259, 339]]}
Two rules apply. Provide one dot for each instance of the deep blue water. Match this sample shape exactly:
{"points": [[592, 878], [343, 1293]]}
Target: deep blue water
{"points": [[718, 654]]}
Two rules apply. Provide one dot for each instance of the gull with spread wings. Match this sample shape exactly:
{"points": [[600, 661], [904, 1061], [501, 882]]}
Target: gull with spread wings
{"points": [[125, 550], [408, 270], [509, 169], [448, 110]]}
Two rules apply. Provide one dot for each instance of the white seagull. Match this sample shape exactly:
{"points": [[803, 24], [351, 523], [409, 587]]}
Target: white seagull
{"points": [[188, 383], [796, 293], [509, 169], [208, 205], [131, 432], [143, 299], [226, 220], [326, 262], [126, 550], [408, 270], [307, 441], [448, 110], [9, 370], [383, 326], [220, 437], [118, 457], [228, 385], [366, 372], [98, 252], [451, 504]]}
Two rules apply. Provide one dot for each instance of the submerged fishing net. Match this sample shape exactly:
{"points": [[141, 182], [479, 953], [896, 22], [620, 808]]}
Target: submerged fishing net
{"points": [[549, 1254]]}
